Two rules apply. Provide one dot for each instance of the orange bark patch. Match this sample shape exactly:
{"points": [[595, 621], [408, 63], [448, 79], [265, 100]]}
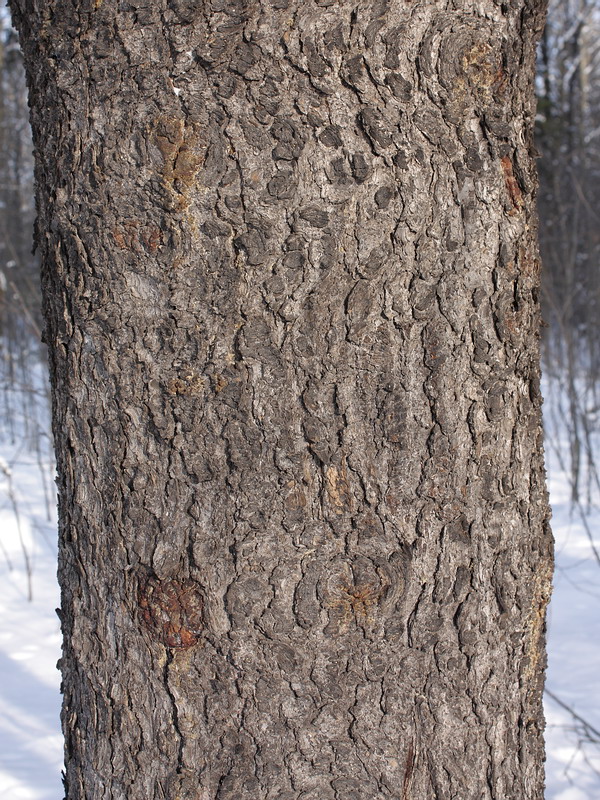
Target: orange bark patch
{"points": [[296, 497], [355, 602], [151, 238], [172, 611], [137, 238], [337, 488], [529, 262], [183, 152], [512, 186], [482, 64], [356, 595], [188, 383]]}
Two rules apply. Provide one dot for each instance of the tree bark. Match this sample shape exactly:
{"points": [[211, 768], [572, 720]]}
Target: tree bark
{"points": [[291, 279]]}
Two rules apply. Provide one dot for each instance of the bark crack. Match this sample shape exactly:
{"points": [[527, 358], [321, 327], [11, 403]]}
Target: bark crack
{"points": [[169, 661]]}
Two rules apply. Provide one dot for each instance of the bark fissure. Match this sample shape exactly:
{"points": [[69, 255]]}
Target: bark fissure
{"points": [[175, 714]]}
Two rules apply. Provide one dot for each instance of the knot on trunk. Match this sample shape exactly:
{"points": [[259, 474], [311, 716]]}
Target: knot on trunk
{"points": [[172, 610]]}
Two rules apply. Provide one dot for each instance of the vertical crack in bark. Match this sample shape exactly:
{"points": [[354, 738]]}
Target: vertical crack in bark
{"points": [[167, 671], [409, 766]]}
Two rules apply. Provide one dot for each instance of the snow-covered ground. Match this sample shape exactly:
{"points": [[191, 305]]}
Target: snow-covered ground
{"points": [[573, 750], [30, 740]]}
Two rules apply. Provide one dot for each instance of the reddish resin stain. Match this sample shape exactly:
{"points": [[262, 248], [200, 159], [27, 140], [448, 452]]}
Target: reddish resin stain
{"points": [[512, 185], [172, 611]]}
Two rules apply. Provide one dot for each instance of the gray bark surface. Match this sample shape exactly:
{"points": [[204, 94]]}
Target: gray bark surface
{"points": [[291, 278]]}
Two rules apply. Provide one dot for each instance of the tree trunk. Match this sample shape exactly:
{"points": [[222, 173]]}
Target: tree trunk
{"points": [[291, 280]]}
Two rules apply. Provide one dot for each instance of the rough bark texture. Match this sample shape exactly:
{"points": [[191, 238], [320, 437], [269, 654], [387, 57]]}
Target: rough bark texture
{"points": [[291, 279]]}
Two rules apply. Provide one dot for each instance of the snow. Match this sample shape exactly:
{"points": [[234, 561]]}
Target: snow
{"points": [[573, 761], [30, 739]]}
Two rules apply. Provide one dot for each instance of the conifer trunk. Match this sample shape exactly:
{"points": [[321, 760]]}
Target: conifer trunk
{"points": [[291, 298]]}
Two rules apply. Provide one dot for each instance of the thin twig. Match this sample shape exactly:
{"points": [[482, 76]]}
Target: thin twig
{"points": [[589, 729]]}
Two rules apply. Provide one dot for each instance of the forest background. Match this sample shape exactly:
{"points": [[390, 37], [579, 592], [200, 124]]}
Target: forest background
{"points": [[568, 140]]}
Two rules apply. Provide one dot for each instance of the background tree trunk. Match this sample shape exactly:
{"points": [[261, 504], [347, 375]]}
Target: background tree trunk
{"points": [[291, 278]]}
